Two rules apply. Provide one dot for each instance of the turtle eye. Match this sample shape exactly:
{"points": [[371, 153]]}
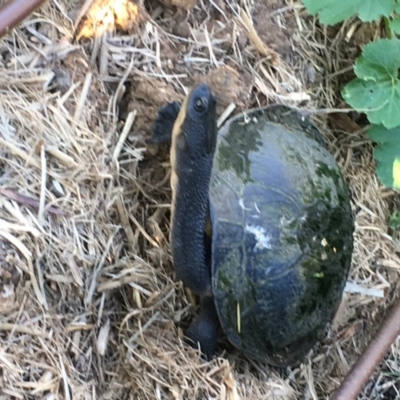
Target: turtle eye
{"points": [[200, 103]]}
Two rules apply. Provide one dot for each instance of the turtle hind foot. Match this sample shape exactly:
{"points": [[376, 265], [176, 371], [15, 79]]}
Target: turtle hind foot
{"points": [[203, 331], [164, 123]]}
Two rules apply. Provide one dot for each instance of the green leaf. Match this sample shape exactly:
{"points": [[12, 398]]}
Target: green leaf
{"points": [[387, 153], [376, 90], [397, 8], [333, 11], [395, 24]]}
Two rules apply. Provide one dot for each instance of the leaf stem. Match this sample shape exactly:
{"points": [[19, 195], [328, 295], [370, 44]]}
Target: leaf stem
{"points": [[362, 370], [388, 29]]}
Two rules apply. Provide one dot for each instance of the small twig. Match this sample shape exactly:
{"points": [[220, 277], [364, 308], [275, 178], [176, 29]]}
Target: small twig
{"points": [[252, 34], [143, 232], [27, 330], [225, 115], [125, 132], [362, 370], [82, 100], [42, 200], [119, 91], [30, 201], [15, 11], [84, 9]]}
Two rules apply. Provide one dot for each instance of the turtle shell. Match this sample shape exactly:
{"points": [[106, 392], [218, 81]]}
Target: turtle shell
{"points": [[282, 234]]}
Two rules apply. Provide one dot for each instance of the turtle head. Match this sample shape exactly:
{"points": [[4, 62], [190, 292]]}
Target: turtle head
{"points": [[195, 129]]}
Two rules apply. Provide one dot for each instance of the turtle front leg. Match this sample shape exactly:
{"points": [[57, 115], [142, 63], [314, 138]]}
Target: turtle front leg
{"points": [[203, 331], [164, 123]]}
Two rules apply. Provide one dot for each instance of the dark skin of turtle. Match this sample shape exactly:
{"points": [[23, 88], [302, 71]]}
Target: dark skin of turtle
{"points": [[262, 228], [192, 132]]}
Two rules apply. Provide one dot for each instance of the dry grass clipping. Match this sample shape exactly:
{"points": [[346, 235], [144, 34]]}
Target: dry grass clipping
{"points": [[90, 307]]}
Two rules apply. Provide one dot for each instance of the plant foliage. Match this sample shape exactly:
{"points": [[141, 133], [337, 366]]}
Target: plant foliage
{"points": [[376, 89], [395, 24], [387, 153], [334, 11]]}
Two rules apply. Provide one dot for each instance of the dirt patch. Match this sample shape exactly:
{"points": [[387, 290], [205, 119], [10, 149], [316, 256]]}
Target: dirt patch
{"points": [[272, 30], [145, 100]]}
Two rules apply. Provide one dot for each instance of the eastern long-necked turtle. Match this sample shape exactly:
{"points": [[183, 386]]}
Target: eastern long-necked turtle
{"points": [[261, 225]]}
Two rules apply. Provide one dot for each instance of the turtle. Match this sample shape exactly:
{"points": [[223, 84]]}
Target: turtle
{"points": [[261, 226]]}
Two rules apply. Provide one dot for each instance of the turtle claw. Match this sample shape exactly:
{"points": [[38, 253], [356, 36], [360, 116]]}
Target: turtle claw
{"points": [[164, 123], [203, 330]]}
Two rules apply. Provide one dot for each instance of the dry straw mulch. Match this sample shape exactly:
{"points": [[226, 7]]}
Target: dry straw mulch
{"points": [[90, 306]]}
